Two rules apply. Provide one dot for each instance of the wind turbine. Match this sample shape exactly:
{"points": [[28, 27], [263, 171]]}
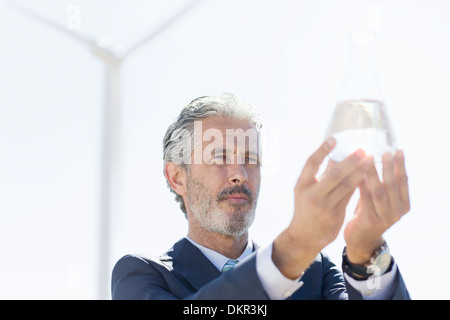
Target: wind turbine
{"points": [[110, 153]]}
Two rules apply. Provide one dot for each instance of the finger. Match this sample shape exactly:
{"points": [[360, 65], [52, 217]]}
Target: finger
{"points": [[342, 204], [313, 163], [378, 192], [390, 182], [347, 186], [365, 200], [345, 200], [364, 190], [331, 163], [402, 179], [342, 174]]}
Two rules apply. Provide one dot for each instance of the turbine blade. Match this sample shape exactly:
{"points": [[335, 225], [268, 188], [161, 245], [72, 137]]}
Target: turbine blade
{"points": [[162, 27], [34, 15]]}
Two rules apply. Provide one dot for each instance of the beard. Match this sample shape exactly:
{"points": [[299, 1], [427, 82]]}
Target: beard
{"points": [[233, 221]]}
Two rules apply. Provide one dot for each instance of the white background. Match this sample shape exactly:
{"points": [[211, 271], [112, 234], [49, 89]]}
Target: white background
{"points": [[287, 58]]}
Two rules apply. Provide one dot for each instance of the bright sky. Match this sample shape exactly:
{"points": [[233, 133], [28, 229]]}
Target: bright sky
{"points": [[287, 58]]}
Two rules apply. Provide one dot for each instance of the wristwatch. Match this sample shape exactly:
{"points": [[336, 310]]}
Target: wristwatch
{"points": [[380, 263]]}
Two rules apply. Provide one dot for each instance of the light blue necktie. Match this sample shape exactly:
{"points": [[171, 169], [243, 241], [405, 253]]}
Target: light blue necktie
{"points": [[229, 265]]}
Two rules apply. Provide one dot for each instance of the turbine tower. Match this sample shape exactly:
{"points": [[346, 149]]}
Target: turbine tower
{"points": [[111, 152]]}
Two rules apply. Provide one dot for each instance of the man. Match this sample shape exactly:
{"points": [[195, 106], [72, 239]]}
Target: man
{"points": [[212, 164]]}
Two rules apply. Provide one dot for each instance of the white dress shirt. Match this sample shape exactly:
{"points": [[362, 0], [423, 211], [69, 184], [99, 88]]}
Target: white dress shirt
{"points": [[217, 259], [278, 287]]}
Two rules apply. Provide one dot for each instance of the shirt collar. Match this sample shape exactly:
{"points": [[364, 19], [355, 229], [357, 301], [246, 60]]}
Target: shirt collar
{"points": [[217, 259]]}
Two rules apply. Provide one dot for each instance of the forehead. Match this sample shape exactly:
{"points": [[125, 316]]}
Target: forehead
{"points": [[215, 135], [223, 124], [230, 134]]}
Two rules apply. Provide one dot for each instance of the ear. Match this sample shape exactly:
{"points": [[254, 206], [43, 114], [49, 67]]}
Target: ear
{"points": [[176, 176]]}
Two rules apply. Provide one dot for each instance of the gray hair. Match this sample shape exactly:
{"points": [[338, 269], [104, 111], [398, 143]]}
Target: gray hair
{"points": [[227, 105]]}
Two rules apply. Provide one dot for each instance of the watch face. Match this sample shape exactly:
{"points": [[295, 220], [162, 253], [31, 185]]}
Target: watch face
{"points": [[381, 263]]}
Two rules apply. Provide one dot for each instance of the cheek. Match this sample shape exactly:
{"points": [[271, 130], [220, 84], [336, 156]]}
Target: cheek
{"points": [[210, 178], [254, 179]]}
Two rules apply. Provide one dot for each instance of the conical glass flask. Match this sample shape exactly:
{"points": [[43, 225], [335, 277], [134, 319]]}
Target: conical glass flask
{"points": [[360, 119]]}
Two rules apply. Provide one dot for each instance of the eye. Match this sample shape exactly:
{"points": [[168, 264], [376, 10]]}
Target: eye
{"points": [[221, 156], [218, 159], [252, 160]]}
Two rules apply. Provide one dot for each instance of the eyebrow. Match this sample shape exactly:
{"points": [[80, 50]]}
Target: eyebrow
{"points": [[248, 153], [225, 150]]}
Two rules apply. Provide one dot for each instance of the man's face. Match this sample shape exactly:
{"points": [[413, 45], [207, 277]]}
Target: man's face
{"points": [[223, 188]]}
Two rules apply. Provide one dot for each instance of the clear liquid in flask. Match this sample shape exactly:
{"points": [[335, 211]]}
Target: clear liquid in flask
{"points": [[361, 123]]}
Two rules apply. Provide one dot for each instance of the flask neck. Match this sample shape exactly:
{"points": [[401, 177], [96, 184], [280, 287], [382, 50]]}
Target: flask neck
{"points": [[361, 80], [361, 57]]}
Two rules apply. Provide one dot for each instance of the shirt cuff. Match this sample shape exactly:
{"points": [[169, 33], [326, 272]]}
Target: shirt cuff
{"points": [[276, 285], [376, 287]]}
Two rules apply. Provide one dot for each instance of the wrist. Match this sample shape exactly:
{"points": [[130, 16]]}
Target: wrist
{"points": [[291, 256], [361, 254]]}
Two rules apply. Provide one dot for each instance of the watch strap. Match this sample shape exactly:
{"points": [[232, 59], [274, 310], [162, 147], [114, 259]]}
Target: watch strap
{"points": [[361, 272], [356, 271]]}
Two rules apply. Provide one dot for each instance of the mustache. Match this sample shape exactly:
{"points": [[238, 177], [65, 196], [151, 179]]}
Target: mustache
{"points": [[236, 189]]}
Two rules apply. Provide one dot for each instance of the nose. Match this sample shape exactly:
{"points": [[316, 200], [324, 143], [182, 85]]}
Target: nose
{"points": [[238, 174]]}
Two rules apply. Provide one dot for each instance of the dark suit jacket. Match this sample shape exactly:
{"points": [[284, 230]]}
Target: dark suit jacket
{"points": [[185, 273]]}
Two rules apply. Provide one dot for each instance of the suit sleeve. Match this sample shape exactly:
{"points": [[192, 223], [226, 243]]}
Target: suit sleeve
{"points": [[333, 287], [134, 278], [395, 290], [337, 287]]}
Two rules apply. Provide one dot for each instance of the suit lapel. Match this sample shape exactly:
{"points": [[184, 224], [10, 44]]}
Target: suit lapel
{"points": [[189, 262]]}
